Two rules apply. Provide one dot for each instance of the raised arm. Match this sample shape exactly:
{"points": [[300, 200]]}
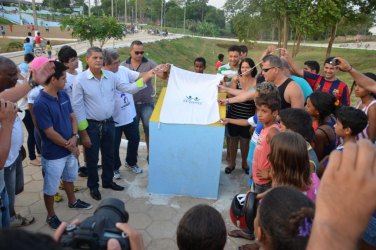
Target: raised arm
{"points": [[361, 79], [20, 90], [295, 67]]}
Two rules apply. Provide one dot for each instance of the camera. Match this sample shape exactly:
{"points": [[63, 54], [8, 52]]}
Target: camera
{"points": [[95, 231], [334, 62]]}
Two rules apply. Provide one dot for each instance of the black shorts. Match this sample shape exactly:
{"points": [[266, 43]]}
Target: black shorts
{"points": [[238, 131]]}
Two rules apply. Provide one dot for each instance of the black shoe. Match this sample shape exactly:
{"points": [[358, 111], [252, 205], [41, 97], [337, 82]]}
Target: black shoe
{"points": [[114, 186], [94, 193], [82, 172]]}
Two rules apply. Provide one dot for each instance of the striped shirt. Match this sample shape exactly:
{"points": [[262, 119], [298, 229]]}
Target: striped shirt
{"points": [[242, 110], [337, 88]]}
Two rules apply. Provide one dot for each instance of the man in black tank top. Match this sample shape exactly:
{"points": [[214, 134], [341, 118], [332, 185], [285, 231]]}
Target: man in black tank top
{"points": [[291, 94]]}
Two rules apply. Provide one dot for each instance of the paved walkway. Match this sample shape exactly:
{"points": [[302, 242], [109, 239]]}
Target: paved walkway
{"points": [[155, 216], [81, 47]]}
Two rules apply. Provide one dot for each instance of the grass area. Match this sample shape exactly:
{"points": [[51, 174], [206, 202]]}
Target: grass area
{"points": [[182, 52], [4, 44], [4, 21]]}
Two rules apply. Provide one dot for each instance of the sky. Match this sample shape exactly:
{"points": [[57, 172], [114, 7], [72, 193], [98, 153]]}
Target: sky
{"points": [[217, 3]]}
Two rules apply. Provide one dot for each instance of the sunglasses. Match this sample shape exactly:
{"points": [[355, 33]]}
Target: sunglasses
{"points": [[267, 69], [139, 52]]}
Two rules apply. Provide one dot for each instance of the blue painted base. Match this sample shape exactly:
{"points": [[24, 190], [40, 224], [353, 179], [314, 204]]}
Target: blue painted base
{"points": [[185, 159]]}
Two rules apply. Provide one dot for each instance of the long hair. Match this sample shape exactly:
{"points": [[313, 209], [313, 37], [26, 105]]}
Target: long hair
{"points": [[290, 161]]}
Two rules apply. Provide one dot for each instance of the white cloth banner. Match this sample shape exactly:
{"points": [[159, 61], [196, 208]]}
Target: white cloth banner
{"points": [[191, 98]]}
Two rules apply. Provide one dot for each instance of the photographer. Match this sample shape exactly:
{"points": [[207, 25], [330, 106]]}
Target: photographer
{"points": [[135, 238], [25, 240]]}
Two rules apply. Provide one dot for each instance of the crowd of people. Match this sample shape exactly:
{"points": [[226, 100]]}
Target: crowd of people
{"points": [[300, 142]]}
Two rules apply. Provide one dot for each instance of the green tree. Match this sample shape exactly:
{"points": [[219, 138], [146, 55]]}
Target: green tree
{"points": [[205, 28], [92, 28], [56, 4]]}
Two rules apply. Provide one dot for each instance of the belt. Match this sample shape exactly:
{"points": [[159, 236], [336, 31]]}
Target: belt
{"points": [[109, 120], [139, 103]]}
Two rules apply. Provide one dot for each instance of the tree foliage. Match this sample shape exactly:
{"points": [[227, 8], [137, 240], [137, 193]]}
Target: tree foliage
{"points": [[296, 19], [92, 28]]}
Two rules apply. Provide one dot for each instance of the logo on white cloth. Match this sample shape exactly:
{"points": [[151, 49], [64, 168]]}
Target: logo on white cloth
{"points": [[193, 100]]}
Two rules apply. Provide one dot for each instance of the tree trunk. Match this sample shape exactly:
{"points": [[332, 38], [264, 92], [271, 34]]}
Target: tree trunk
{"points": [[298, 39], [331, 40], [279, 33], [285, 32]]}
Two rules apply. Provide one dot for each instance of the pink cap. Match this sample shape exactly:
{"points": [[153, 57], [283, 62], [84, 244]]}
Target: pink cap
{"points": [[39, 61]]}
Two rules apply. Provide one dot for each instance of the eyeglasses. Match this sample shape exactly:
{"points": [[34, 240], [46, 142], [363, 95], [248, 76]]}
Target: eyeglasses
{"points": [[139, 52], [267, 69]]}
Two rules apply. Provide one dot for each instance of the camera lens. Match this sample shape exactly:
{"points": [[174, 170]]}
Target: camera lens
{"points": [[113, 210]]}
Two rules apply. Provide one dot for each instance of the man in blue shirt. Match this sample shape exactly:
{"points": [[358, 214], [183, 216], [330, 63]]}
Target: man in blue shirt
{"points": [[57, 125], [28, 47]]}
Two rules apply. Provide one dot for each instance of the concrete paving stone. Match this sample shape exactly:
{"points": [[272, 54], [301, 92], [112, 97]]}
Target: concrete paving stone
{"points": [[145, 238], [160, 213], [140, 221], [25, 199], [27, 179], [30, 169], [162, 244], [38, 208], [162, 230], [34, 186], [37, 176], [140, 205]]}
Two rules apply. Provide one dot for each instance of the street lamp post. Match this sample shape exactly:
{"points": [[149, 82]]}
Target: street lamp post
{"points": [[125, 12], [162, 16], [112, 8], [185, 9]]}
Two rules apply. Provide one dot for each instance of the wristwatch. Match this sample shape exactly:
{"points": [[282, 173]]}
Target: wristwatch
{"points": [[32, 83], [76, 135]]}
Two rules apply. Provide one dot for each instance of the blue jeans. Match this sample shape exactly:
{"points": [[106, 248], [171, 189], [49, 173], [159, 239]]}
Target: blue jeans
{"points": [[144, 111], [14, 181], [133, 136], [4, 209], [102, 136]]}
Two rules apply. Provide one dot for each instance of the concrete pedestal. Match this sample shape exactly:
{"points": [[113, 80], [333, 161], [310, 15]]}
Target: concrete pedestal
{"points": [[185, 159]]}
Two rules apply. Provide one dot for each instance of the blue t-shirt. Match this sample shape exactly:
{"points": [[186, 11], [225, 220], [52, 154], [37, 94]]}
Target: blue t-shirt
{"points": [[304, 85], [252, 146], [28, 48], [53, 112], [24, 67]]}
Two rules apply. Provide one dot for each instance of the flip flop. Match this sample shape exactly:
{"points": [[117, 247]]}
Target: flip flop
{"points": [[241, 234], [228, 170]]}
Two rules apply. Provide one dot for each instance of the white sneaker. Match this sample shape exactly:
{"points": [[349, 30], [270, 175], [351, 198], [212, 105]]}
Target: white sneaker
{"points": [[117, 175], [135, 169]]}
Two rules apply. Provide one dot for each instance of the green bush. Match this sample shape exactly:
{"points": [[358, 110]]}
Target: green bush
{"points": [[14, 46]]}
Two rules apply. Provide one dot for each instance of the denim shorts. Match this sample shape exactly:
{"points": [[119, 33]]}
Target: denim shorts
{"points": [[369, 235], [65, 168], [4, 209], [144, 111]]}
